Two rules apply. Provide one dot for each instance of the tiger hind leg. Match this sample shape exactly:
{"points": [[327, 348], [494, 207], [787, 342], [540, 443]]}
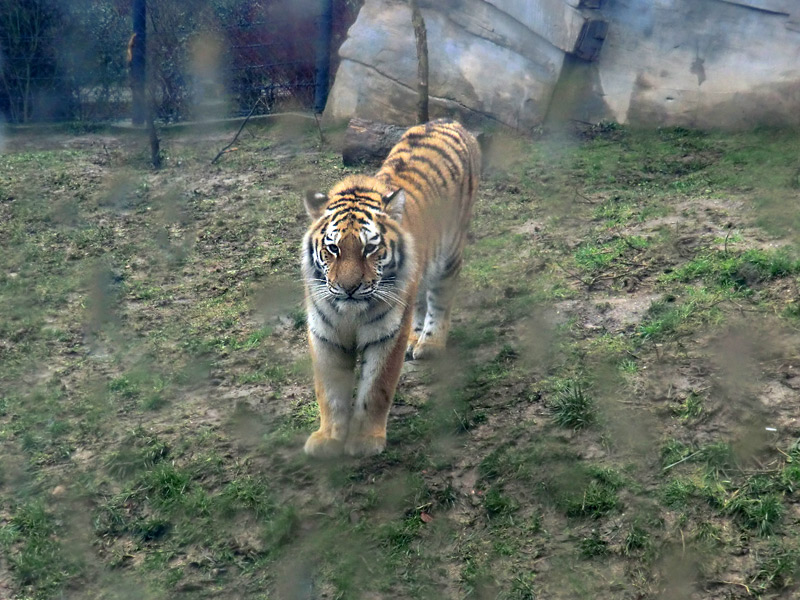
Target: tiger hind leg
{"points": [[418, 322], [439, 298]]}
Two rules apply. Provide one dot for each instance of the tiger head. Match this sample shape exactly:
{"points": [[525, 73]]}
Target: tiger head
{"points": [[355, 250]]}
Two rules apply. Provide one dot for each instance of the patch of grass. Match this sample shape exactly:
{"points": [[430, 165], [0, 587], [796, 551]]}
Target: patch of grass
{"points": [[595, 258], [275, 374], [499, 504], [398, 535], [522, 588], [468, 338], [708, 532], [757, 505], [677, 492], [280, 528], [737, 272], [664, 318], [672, 317], [690, 408], [595, 500], [166, 485], [249, 493], [777, 568], [637, 539], [32, 544], [138, 451], [593, 546], [572, 407]]}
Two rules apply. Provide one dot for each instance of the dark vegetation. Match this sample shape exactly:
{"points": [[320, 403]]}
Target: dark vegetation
{"points": [[67, 60]]}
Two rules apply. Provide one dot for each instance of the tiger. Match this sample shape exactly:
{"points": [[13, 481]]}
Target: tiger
{"points": [[379, 262]]}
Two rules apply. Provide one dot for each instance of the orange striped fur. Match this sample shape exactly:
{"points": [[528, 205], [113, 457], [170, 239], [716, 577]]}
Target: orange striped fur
{"points": [[380, 261]]}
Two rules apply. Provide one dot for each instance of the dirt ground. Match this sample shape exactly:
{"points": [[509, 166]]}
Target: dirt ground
{"points": [[616, 416]]}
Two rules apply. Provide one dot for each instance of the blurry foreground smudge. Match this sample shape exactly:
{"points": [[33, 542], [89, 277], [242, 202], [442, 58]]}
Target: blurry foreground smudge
{"points": [[275, 299], [102, 303]]}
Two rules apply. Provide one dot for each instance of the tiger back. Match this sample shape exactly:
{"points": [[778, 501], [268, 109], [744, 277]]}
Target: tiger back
{"points": [[380, 261]]}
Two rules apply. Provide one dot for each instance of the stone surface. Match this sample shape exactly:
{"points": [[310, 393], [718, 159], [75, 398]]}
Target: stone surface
{"points": [[701, 63], [698, 63], [484, 66]]}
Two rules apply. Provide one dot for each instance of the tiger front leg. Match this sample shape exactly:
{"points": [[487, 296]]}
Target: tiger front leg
{"points": [[381, 366], [334, 378]]}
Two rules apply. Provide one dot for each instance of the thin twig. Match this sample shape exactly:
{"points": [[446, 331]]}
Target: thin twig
{"points": [[236, 137], [319, 129], [586, 199], [588, 284], [685, 458], [745, 586], [727, 235]]}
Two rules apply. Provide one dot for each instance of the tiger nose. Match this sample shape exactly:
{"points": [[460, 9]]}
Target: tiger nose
{"points": [[351, 289]]}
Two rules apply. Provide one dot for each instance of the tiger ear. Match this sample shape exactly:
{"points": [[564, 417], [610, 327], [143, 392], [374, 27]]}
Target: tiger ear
{"points": [[315, 204], [394, 203]]}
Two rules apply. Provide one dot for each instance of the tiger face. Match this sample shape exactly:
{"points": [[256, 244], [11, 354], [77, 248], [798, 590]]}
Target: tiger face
{"points": [[354, 249]]}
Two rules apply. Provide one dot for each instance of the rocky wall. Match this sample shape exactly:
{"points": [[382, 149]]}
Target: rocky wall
{"points": [[699, 63]]}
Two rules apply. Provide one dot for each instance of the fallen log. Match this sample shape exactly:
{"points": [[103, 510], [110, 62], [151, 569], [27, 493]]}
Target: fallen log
{"points": [[368, 142]]}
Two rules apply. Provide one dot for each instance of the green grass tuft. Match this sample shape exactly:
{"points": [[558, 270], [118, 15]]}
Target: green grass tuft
{"points": [[573, 408]]}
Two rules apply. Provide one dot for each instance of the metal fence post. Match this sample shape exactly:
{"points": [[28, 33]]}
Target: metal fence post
{"points": [[137, 48], [323, 56]]}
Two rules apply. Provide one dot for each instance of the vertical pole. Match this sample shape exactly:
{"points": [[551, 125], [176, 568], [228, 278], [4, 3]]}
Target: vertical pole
{"points": [[421, 37], [323, 56], [137, 48]]}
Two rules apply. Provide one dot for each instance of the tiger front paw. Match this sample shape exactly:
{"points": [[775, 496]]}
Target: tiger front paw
{"points": [[427, 349], [320, 445], [369, 445], [413, 339]]}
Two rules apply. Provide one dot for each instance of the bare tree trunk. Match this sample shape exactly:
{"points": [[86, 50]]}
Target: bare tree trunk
{"points": [[421, 36], [138, 52], [155, 143]]}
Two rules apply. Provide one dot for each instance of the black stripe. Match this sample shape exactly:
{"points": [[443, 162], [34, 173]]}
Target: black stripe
{"points": [[449, 132], [390, 266], [368, 201], [434, 167], [325, 340], [351, 215], [338, 205], [354, 190], [416, 135], [453, 264], [449, 162], [393, 228], [401, 258], [470, 181], [382, 340], [377, 318], [321, 315], [421, 172]]}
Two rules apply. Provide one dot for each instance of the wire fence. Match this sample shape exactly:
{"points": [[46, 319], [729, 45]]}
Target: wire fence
{"points": [[204, 58]]}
